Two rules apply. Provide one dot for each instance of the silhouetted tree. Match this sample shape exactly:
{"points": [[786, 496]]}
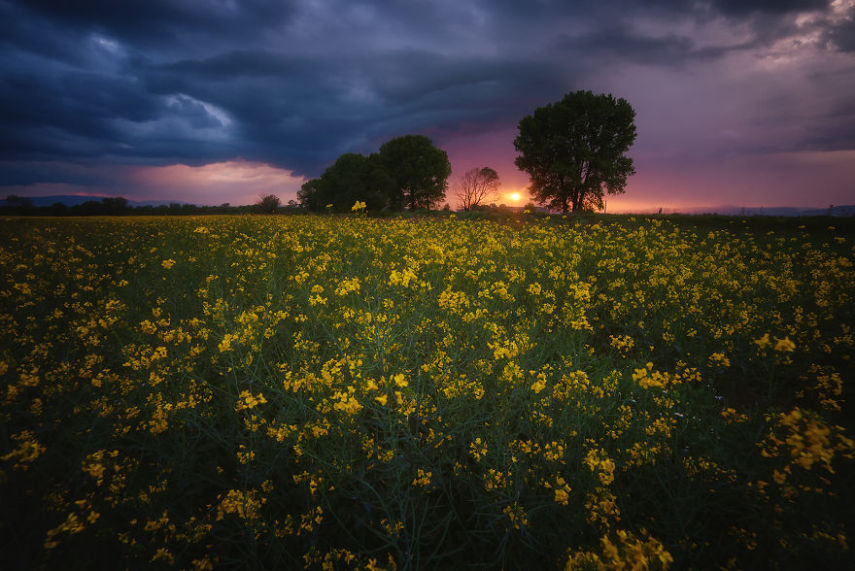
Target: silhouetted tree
{"points": [[573, 150], [89, 208], [19, 204], [419, 169], [309, 195], [477, 186], [352, 177], [58, 209], [268, 203], [111, 205]]}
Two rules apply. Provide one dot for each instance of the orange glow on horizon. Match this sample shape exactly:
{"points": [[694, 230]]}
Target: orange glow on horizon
{"points": [[515, 196]]}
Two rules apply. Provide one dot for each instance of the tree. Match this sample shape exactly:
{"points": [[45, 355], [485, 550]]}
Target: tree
{"points": [[309, 195], [419, 170], [22, 204], [478, 186], [573, 150], [58, 209], [268, 203], [117, 205], [352, 177]]}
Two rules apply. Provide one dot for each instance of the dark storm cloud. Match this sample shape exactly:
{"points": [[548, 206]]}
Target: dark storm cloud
{"points": [[842, 35], [618, 41], [743, 7], [526, 8], [295, 84], [154, 23]]}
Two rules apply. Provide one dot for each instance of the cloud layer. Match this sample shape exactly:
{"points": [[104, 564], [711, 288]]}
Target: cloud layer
{"points": [[90, 87]]}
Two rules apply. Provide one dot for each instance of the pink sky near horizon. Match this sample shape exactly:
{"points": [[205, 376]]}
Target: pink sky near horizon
{"points": [[810, 179], [786, 179]]}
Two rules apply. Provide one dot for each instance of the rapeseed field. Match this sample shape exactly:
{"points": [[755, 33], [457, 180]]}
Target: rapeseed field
{"points": [[425, 393]]}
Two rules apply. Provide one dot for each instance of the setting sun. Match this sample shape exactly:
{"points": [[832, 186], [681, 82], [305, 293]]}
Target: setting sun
{"points": [[515, 196]]}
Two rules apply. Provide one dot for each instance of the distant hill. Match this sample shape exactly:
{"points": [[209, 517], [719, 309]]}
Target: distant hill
{"points": [[74, 199], [731, 210], [847, 210]]}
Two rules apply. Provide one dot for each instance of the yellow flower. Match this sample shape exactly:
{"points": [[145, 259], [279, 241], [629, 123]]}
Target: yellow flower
{"points": [[402, 278], [345, 402], [243, 504], [167, 264], [516, 514], [562, 491], [226, 343], [784, 345], [422, 478], [764, 342], [477, 449], [247, 400], [346, 286], [28, 450]]}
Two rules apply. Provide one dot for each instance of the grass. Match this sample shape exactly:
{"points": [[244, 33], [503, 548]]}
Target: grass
{"points": [[347, 392]]}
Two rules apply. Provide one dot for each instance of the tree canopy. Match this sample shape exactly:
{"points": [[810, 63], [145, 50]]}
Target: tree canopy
{"points": [[574, 150], [310, 195], [408, 171], [268, 203], [419, 169], [352, 177]]}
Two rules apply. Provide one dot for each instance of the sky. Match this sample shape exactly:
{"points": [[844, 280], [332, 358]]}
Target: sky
{"points": [[739, 102]]}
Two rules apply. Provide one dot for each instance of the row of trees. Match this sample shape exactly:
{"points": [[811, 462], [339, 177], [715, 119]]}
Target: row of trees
{"points": [[407, 172], [574, 151], [118, 206]]}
